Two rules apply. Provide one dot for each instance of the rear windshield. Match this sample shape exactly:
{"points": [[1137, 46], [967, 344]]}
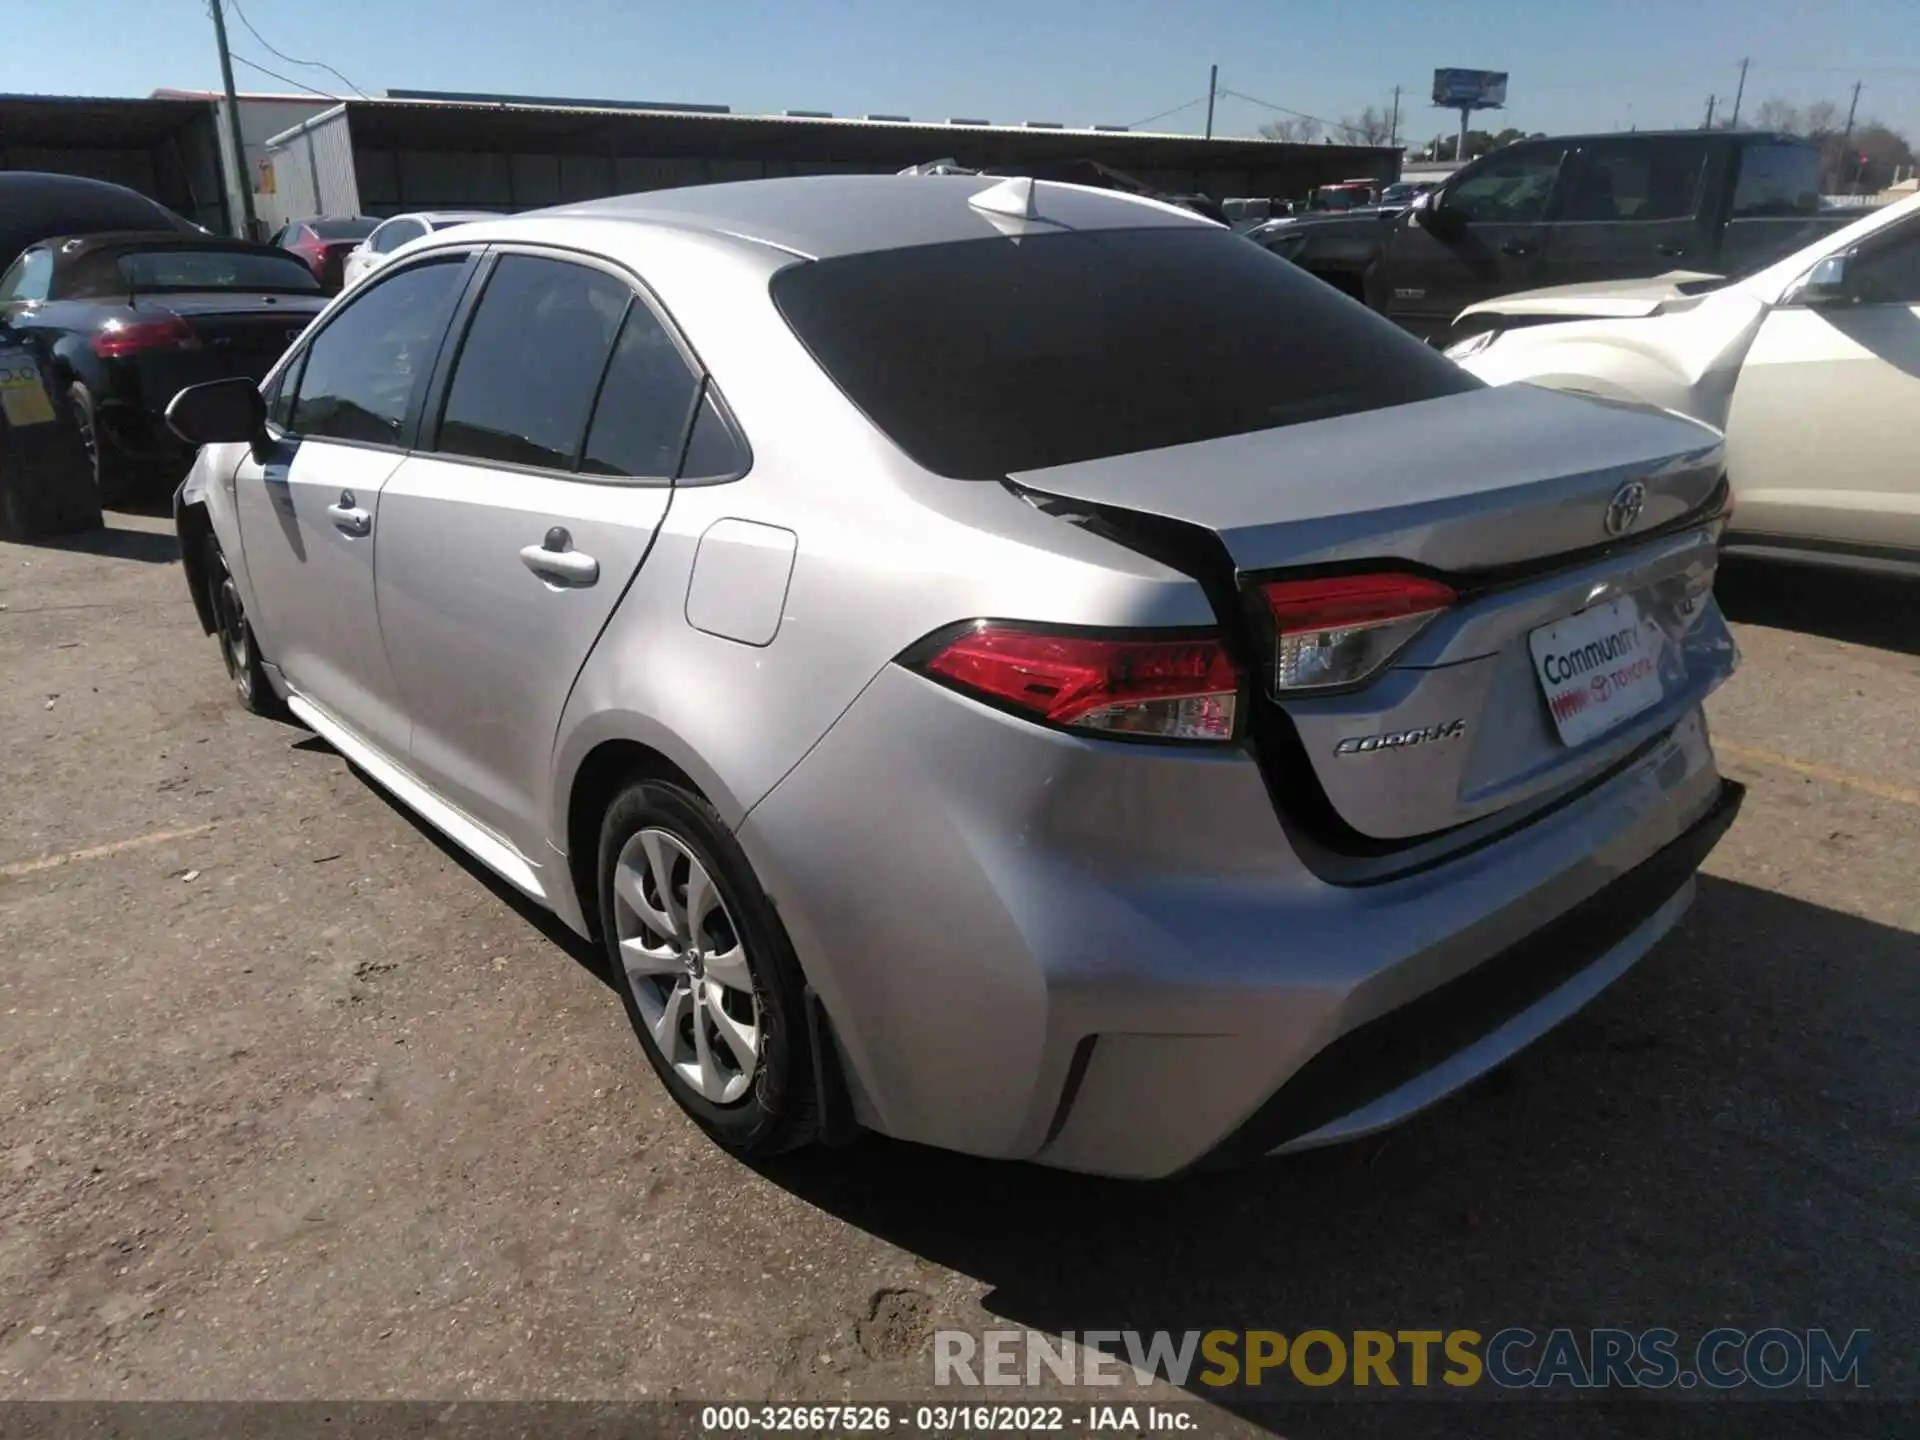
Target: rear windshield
{"points": [[983, 358], [352, 228], [215, 270]]}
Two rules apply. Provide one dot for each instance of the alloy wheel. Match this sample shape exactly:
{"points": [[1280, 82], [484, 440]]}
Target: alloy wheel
{"points": [[686, 966], [236, 639]]}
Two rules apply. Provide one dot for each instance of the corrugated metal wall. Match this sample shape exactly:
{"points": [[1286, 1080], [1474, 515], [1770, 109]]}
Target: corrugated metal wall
{"points": [[313, 173]]}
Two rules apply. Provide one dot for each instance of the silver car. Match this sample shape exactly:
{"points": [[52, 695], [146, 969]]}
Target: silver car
{"points": [[1005, 665]]}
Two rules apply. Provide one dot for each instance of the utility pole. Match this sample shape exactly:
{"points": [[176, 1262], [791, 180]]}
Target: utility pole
{"points": [[1709, 124], [1213, 84], [1738, 92], [1846, 138], [1393, 127], [243, 180]]}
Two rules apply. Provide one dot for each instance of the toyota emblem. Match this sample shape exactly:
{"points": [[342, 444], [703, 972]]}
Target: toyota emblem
{"points": [[1623, 511]]}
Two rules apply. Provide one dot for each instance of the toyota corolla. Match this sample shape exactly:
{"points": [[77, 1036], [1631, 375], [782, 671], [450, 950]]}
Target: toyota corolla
{"points": [[1006, 665]]}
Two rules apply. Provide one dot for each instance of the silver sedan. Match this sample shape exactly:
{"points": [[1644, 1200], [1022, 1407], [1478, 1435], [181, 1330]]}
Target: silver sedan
{"points": [[1006, 665]]}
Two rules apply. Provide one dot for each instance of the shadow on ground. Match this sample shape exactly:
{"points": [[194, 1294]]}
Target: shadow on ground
{"points": [[1726, 1137], [1875, 610], [148, 546]]}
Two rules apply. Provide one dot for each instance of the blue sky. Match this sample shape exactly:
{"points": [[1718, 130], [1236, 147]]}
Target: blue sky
{"points": [[1593, 66]]}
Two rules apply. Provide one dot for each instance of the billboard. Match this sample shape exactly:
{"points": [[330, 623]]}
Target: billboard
{"points": [[1470, 89]]}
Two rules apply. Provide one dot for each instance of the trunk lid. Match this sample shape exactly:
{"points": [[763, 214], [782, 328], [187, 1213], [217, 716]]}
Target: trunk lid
{"points": [[1505, 493], [243, 333]]}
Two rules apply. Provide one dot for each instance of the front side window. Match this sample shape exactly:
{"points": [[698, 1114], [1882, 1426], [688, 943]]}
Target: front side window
{"points": [[528, 370], [1646, 180], [984, 358], [29, 278], [640, 421], [1888, 273], [1776, 178], [358, 373], [1509, 189]]}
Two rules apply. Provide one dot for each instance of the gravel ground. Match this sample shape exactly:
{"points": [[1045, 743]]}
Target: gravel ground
{"points": [[295, 1103]]}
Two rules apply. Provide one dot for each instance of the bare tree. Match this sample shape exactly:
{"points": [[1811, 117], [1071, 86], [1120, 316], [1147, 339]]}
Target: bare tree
{"points": [[1372, 127], [1777, 114], [1296, 129], [1822, 118]]}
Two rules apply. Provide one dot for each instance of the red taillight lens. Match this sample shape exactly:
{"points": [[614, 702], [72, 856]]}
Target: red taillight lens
{"points": [[126, 337], [1163, 689], [1341, 629]]}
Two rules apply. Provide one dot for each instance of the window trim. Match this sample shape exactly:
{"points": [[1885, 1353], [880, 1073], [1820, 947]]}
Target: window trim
{"points": [[1581, 156], [440, 383], [466, 258]]}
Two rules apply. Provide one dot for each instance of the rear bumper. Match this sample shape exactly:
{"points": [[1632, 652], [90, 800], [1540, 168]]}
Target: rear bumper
{"points": [[1109, 958], [1388, 1069]]}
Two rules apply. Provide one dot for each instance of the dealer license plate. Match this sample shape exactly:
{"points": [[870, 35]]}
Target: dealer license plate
{"points": [[1598, 668]]}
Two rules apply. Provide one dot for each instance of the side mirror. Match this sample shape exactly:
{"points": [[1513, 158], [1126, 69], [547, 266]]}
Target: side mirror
{"points": [[1430, 212], [220, 412], [1826, 283]]}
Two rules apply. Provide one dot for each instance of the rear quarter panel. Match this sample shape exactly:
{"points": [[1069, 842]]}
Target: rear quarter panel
{"points": [[884, 554]]}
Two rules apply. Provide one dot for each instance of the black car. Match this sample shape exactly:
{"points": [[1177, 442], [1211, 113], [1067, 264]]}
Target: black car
{"points": [[120, 323], [38, 495]]}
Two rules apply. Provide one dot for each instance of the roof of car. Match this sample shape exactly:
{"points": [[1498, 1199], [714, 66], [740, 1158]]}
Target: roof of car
{"points": [[827, 215], [77, 246]]}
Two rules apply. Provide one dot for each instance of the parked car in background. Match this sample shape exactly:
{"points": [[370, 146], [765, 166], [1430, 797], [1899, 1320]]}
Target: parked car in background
{"points": [[1246, 213], [1811, 367], [975, 669], [42, 491], [1404, 192], [324, 244], [119, 323], [1347, 195], [1567, 210], [397, 230]]}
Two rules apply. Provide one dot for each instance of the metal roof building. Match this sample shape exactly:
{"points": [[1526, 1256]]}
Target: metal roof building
{"points": [[434, 150], [166, 148]]}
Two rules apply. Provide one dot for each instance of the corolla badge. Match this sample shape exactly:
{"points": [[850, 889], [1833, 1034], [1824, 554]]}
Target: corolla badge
{"points": [[1399, 739], [1623, 511]]}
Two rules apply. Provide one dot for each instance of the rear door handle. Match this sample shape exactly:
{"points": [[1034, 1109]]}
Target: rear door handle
{"points": [[1518, 247], [348, 518], [554, 559], [1670, 249]]}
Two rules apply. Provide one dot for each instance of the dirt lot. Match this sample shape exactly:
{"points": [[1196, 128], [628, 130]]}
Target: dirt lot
{"points": [[295, 1103]]}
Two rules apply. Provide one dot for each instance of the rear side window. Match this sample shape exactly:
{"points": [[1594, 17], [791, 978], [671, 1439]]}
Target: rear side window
{"points": [[1636, 180], [981, 358], [640, 420], [1776, 179], [359, 372], [396, 233], [531, 363]]}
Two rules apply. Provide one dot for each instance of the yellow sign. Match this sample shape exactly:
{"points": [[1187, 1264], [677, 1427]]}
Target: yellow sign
{"points": [[22, 397]]}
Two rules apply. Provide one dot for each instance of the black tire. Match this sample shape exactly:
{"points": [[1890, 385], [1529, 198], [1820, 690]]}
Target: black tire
{"points": [[116, 479], [45, 488], [777, 1110], [239, 652]]}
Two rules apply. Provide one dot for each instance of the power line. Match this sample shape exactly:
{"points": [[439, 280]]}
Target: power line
{"points": [[234, 5], [285, 79], [1284, 110], [1197, 100]]}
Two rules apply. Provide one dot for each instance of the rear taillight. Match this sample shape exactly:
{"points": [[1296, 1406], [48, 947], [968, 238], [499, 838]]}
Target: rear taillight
{"points": [[127, 337], [1184, 689], [1339, 630]]}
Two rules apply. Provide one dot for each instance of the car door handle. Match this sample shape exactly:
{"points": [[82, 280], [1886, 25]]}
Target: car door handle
{"points": [[554, 559], [1518, 247], [348, 518], [1670, 249]]}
